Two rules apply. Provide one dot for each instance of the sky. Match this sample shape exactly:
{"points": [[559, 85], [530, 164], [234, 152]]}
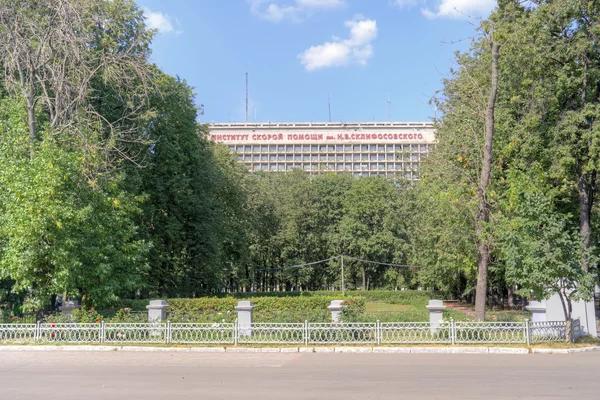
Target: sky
{"points": [[299, 53]]}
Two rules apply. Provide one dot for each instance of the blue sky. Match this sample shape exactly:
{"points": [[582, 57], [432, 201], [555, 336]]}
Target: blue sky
{"points": [[297, 52]]}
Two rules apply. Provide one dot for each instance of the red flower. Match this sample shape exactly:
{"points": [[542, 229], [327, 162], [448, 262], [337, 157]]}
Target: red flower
{"points": [[11, 317], [53, 327], [89, 312], [97, 320], [52, 335], [92, 307]]}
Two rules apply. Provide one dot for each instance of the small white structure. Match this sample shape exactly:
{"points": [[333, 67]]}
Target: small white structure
{"points": [[552, 310], [157, 310], [335, 307], [244, 309], [436, 314]]}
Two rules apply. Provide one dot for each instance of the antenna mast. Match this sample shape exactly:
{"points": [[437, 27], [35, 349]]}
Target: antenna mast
{"points": [[246, 97], [329, 107], [389, 109]]}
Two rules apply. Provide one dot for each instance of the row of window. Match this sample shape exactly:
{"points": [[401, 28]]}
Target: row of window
{"points": [[325, 157], [281, 148], [337, 167]]}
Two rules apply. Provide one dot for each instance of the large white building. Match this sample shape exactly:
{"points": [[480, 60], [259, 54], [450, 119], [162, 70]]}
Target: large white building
{"points": [[362, 148]]}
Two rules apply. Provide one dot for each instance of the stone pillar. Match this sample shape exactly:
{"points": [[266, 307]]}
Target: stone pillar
{"points": [[537, 310], [68, 307], [244, 310], [157, 310], [436, 314], [335, 307], [538, 314]]}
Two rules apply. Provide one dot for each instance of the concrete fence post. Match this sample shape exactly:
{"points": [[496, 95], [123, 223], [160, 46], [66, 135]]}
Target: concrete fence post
{"points": [[436, 314], [538, 314], [335, 307], [157, 310], [244, 310]]}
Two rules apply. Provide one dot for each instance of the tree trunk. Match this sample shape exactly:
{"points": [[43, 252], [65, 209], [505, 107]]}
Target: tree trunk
{"points": [[364, 279], [511, 297], [483, 215], [585, 208]]}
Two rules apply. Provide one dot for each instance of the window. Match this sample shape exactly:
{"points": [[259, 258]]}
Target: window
{"points": [[297, 148], [373, 157], [391, 157], [264, 157], [264, 148], [381, 157], [256, 157], [247, 149], [306, 148], [289, 148], [272, 157], [330, 148], [364, 147], [390, 147], [347, 147], [314, 148], [381, 147], [364, 157], [305, 157], [273, 148], [289, 157], [356, 147], [281, 148]]}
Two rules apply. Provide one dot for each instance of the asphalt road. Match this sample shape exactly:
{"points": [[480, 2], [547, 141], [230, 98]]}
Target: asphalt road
{"points": [[264, 376]]}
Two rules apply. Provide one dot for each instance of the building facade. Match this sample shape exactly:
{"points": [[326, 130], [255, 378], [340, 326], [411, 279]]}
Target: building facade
{"points": [[361, 148]]}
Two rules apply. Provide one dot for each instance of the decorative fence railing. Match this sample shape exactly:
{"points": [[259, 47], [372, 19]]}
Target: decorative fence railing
{"points": [[374, 333]]}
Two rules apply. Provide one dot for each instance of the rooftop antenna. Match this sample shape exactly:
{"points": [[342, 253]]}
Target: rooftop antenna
{"points": [[329, 107], [246, 97], [389, 109]]}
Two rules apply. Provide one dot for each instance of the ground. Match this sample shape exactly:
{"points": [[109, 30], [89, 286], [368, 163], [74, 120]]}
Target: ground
{"points": [[253, 376]]}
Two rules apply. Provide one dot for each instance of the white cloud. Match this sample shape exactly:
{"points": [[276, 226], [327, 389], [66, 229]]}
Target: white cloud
{"points": [[356, 49], [320, 3], [460, 9], [159, 21], [295, 11], [405, 3]]}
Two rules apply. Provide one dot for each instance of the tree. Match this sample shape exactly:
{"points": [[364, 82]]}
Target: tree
{"points": [[55, 51], [543, 254], [58, 232]]}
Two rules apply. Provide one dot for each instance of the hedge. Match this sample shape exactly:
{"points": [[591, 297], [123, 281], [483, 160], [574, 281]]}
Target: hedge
{"points": [[384, 296]]}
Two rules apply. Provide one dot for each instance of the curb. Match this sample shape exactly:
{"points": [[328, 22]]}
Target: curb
{"points": [[565, 351], [339, 349]]}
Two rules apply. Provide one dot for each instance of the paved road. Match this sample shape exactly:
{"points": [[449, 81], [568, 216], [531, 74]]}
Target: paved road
{"points": [[263, 376]]}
